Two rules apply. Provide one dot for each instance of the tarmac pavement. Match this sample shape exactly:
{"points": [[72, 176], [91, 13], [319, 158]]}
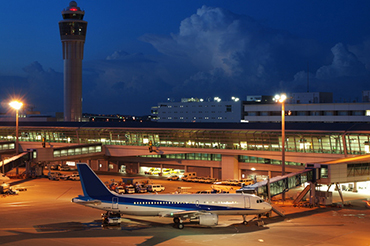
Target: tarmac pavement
{"points": [[45, 215]]}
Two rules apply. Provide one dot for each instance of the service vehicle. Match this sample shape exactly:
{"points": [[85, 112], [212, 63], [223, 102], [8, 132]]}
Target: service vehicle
{"points": [[120, 190], [155, 187], [111, 218], [141, 189], [54, 175], [244, 182], [187, 175], [74, 176], [129, 189], [64, 168], [173, 178]]}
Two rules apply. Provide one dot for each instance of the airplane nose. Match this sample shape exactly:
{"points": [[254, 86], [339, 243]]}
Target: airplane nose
{"points": [[268, 206]]}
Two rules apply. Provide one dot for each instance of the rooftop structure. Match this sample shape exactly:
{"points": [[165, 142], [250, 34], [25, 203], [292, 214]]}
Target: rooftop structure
{"points": [[198, 110]]}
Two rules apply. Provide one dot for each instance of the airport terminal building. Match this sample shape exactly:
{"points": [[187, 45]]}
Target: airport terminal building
{"points": [[219, 150]]}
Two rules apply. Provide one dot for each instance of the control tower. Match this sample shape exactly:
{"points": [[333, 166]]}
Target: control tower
{"points": [[72, 34]]}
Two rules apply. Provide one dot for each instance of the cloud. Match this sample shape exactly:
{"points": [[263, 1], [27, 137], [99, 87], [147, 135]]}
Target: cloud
{"points": [[219, 53], [40, 90], [344, 63], [214, 53], [231, 53], [346, 76]]}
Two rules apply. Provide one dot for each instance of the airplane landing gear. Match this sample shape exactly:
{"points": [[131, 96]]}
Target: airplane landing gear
{"points": [[178, 223], [245, 221], [259, 222]]}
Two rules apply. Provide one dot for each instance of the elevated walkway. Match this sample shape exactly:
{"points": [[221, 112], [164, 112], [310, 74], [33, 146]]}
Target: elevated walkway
{"points": [[14, 161], [279, 184]]}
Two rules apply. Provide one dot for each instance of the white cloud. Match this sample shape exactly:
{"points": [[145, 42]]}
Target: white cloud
{"points": [[344, 63]]}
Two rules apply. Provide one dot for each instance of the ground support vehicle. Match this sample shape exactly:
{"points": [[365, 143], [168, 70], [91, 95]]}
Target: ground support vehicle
{"points": [[129, 189], [155, 188], [111, 218]]}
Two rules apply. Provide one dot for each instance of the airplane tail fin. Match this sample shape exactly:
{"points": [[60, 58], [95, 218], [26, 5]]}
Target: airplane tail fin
{"points": [[92, 186]]}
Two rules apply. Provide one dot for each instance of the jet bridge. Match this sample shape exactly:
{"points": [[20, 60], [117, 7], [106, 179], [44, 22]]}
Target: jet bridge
{"points": [[14, 161], [280, 184]]}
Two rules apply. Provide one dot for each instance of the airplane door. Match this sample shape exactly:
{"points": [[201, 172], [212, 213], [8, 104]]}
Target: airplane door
{"points": [[115, 203], [197, 203], [247, 203]]}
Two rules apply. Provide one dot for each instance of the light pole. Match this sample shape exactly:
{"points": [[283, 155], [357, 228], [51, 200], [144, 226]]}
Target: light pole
{"points": [[16, 105], [281, 99]]}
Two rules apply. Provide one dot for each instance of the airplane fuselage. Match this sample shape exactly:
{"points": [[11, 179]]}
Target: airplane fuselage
{"points": [[154, 205]]}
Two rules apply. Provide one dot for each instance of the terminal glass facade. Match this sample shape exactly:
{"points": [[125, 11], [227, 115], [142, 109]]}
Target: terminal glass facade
{"points": [[300, 141]]}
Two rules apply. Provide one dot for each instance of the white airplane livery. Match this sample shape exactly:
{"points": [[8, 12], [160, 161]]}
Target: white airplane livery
{"points": [[201, 208]]}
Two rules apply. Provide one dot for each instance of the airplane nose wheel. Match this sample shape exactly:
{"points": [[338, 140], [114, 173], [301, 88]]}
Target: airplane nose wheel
{"points": [[245, 221]]}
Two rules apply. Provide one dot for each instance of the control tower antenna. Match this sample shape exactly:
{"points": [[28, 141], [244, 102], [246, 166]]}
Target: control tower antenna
{"points": [[72, 34]]}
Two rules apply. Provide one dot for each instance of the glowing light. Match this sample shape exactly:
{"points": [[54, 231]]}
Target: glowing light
{"points": [[73, 9], [235, 99], [16, 105], [280, 98], [217, 99]]}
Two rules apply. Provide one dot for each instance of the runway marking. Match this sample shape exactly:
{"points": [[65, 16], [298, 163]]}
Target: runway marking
{"points": [[19, 204], [63, 193]]}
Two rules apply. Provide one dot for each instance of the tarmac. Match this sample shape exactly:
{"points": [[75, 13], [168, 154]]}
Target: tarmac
{"points": [[45, 215]]}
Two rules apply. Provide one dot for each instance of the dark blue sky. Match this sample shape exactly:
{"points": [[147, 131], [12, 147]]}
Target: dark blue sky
{"points": [[138, 53]]}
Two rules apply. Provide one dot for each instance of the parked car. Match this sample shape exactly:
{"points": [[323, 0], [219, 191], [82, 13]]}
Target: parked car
{"points": [[63, 176], [120, 190], [74, 176], [173, 178], [210, 180], [244, 182], [111, 218], [64, 168], [54, 175], [204, 192], [129, 189], [155, 187], [194, 179], [140, 189], [189, 179]]}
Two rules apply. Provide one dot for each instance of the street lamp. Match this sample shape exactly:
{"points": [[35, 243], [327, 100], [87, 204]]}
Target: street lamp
{"points": [[16, 105], [281, 99]]}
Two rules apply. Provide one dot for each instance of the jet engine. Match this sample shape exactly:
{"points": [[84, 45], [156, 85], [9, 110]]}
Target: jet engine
{"points": [[208, 219]]}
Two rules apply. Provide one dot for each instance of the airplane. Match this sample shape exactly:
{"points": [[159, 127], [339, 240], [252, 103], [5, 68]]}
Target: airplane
{"points": [[201, 208]]}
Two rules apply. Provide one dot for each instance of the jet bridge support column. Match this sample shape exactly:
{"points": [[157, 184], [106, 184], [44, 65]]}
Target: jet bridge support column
{"points": [[312, 193], [340, 192], [230, 167]]}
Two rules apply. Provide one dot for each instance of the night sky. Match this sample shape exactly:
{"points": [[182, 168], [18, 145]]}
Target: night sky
{"points": [[141, 52]]}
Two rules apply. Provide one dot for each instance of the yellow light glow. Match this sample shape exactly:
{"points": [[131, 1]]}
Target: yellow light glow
{"points": [[16, 105], [280, 98]]}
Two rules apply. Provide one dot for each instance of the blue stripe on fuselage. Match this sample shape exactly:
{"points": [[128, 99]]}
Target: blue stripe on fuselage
{"points": [[153, 203]]}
